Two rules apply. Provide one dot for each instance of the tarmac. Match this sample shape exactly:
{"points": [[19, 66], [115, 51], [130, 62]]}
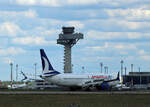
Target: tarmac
{"points": [[71, 92]]}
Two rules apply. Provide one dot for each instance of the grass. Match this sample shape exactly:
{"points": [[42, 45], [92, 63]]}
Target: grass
{"points": [[112, 100]]}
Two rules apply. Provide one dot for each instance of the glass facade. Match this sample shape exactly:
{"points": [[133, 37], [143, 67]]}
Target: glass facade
{"points": [[137, 78]]}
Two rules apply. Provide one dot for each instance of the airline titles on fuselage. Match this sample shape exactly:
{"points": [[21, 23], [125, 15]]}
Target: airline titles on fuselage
{"points": [[99, 77]]}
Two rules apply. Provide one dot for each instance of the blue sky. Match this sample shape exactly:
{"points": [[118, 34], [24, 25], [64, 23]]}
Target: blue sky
{"points": [[113, 31]]}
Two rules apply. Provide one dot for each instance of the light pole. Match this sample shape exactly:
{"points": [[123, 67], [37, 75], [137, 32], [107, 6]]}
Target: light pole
{"points": [[83, 69], [105, 69], [72, 67], [16, 72], [125, 71], [131, 67], [35, 64], [121, 67], [11, 75], [101, 64], [140, 75]]}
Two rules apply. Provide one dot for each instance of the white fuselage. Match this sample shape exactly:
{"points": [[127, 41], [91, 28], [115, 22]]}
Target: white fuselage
{"points": [[16, 86], [72, 80]]}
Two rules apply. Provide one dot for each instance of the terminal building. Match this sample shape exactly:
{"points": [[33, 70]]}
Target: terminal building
{"points": [[137, 79]]}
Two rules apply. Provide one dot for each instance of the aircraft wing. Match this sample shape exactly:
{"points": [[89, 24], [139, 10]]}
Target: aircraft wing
{"points": [[99, 82], [93, 83]]}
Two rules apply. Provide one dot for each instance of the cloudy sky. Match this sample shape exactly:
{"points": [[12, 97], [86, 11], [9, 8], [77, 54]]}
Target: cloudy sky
{"points": [[113, 31]]}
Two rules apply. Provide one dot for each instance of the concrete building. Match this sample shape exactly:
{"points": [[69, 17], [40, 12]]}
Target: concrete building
{"points": [[137, 79]]}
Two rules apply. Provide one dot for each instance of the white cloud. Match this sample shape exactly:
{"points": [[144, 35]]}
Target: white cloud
{"points": [[145, 57], [105, 58], [26, 2], [124, 46], [32, 40], [7, 60], [134, 35], [76, 24], [130, 58], [130, 25], [115, 25], [106, 3], [28, 14], [57, 3], [41, 31], [129, 14], [123, 53], [98, 48], [141, 52], [49, 32], [82, 2], [133, 25], [114, 48], [54, 3], [11, 51], [60, 23], [9, 28], [96, 35]]}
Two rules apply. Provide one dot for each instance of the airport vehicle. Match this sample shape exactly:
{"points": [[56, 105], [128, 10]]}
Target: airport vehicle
{"points": [[75, 81]]}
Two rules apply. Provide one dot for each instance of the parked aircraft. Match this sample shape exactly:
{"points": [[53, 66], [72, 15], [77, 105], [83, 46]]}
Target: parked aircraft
{"points": [[17, 86], [75, 81], [21, 85]]}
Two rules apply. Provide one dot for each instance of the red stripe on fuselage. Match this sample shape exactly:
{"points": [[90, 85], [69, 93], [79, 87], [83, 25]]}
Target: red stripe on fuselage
{"points": [[97, 76]]}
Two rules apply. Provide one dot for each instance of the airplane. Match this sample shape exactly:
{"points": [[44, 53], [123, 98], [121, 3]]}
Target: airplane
{"points": [[74, 81], [19, 86], [37, 83]]}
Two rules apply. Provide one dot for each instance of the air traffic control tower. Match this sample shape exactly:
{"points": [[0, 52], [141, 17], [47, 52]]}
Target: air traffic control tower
{"points": [[68, 38]]}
